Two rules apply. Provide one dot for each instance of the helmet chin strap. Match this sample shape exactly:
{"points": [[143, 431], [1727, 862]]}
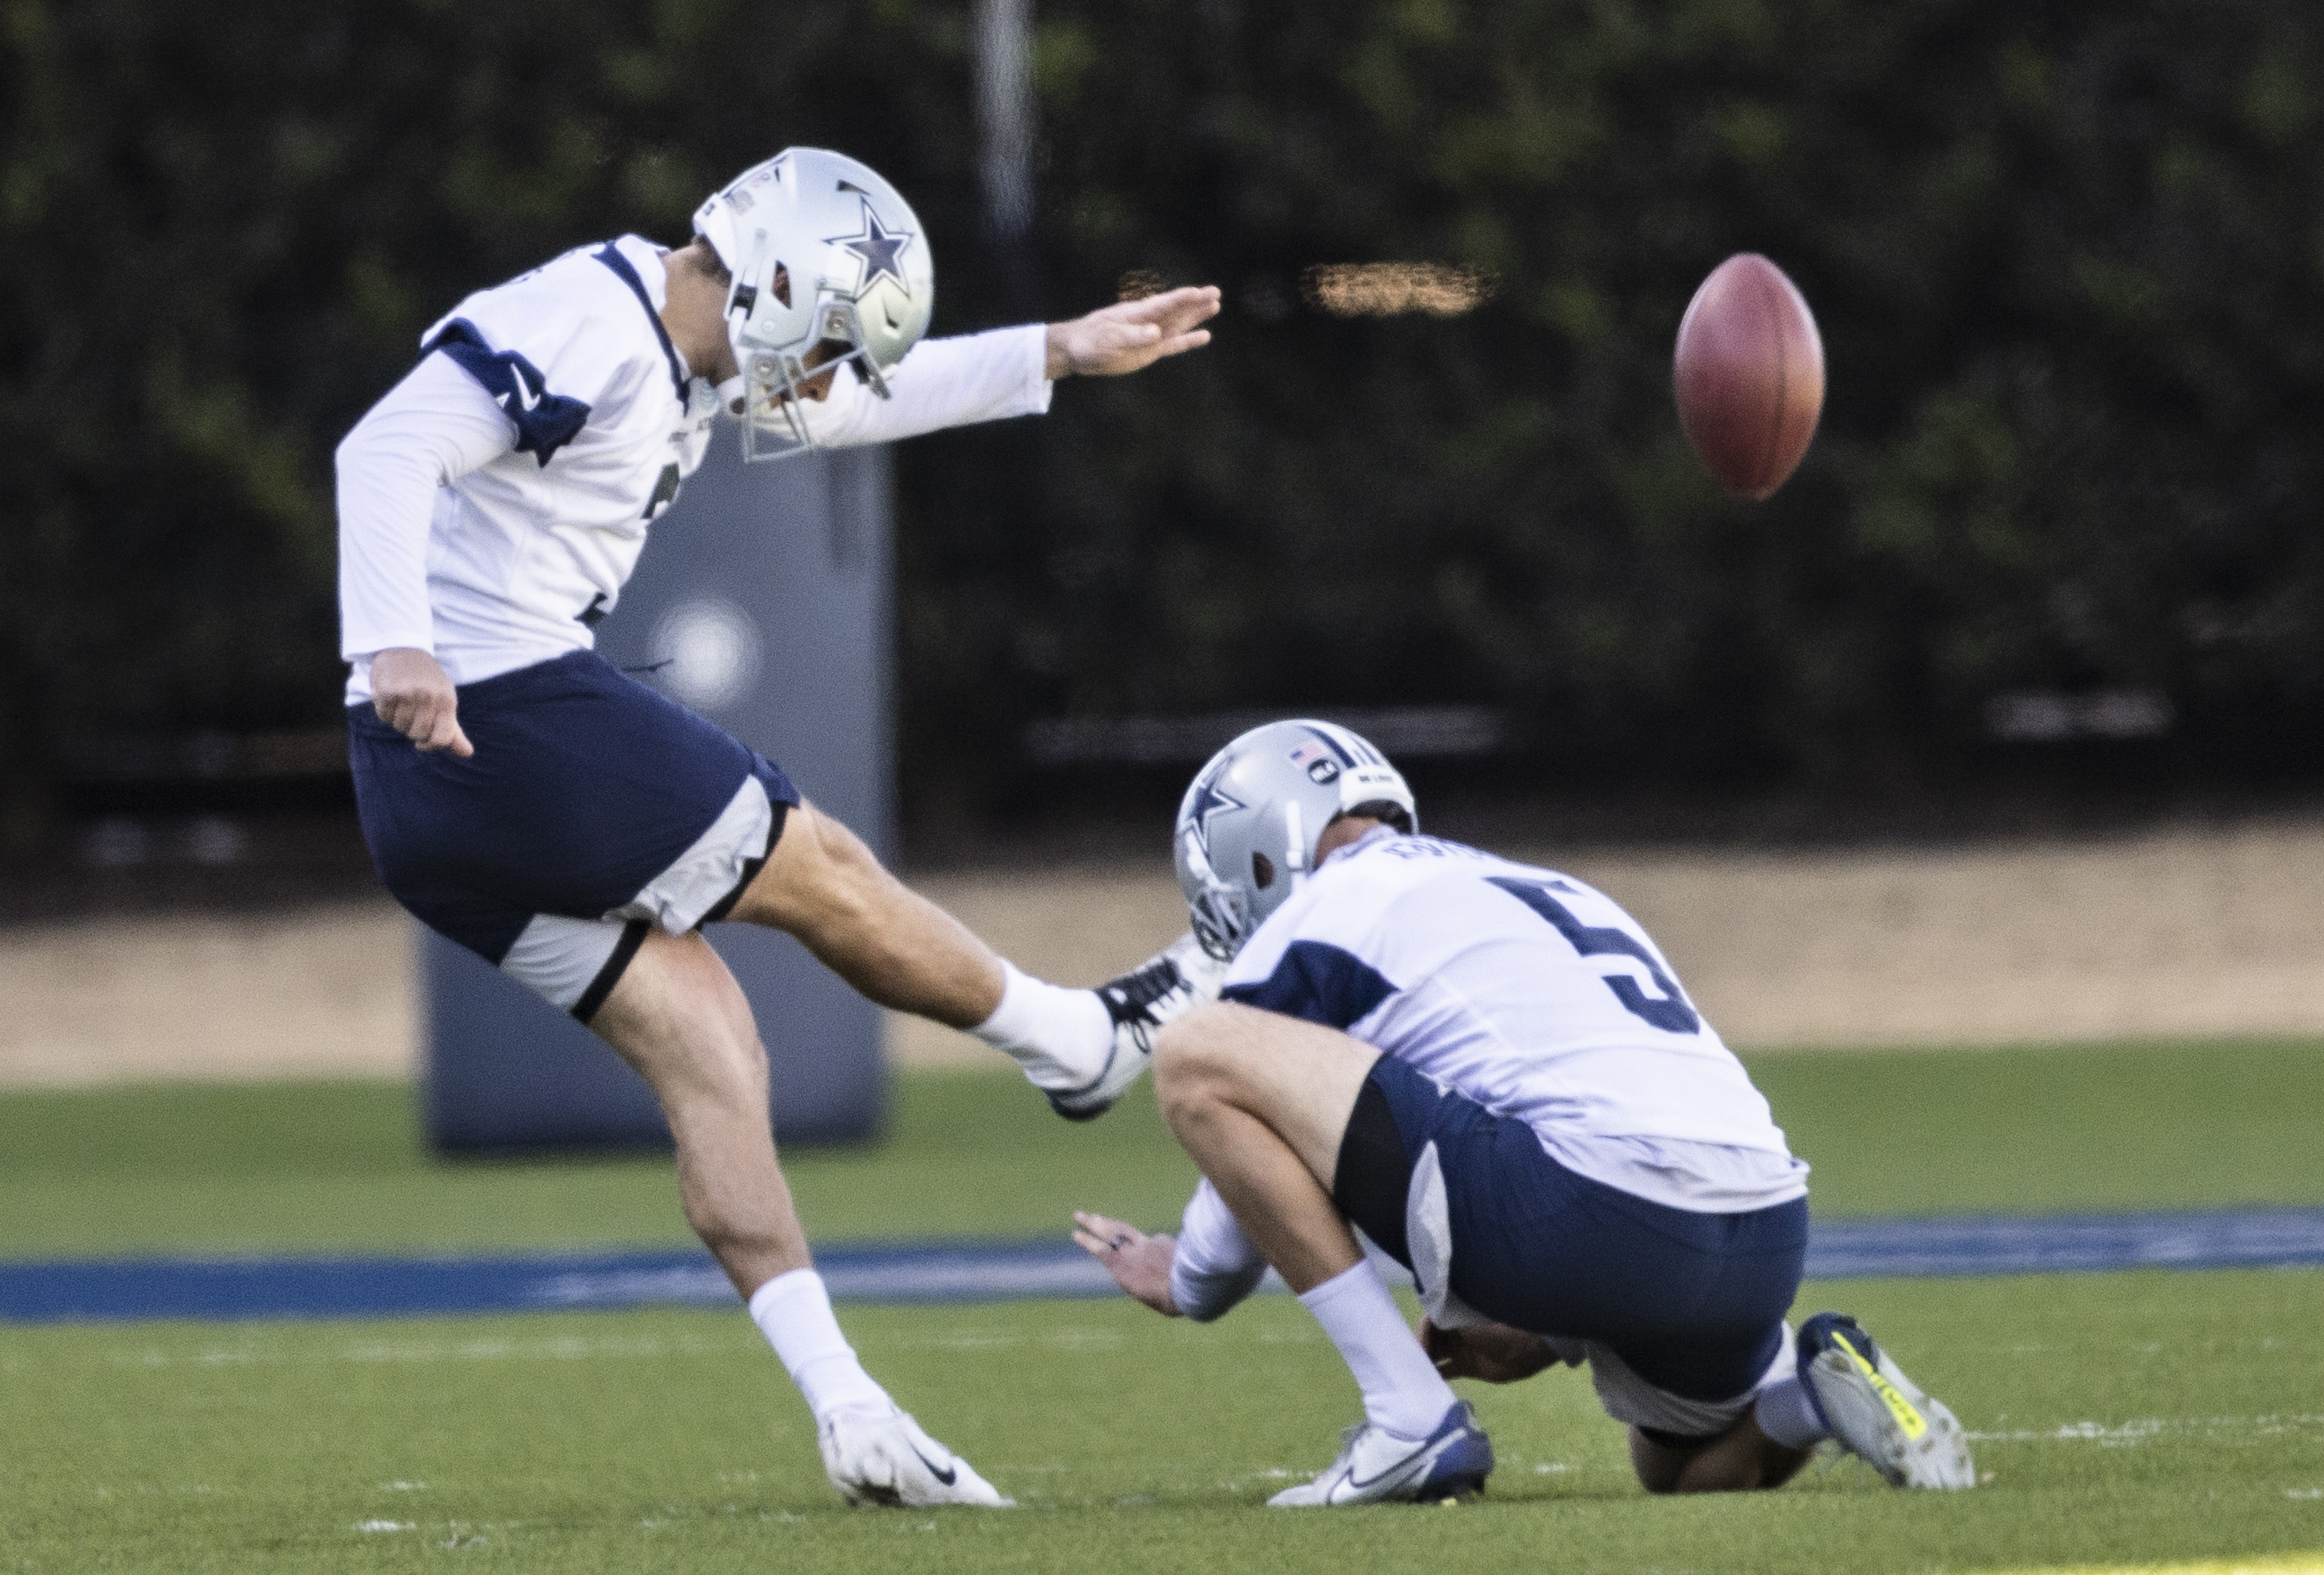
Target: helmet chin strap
{"points": [[1294, 856]]}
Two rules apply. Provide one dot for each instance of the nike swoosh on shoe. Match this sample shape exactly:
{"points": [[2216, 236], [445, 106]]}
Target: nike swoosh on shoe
{"points": [[1410, 1466]]}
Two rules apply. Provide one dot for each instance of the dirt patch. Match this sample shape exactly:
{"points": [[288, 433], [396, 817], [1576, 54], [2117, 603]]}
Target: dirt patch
{"points": [[2204, 932], [318, 991]]}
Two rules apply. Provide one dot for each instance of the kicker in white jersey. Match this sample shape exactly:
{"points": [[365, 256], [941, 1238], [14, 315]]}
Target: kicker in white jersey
{"points": [[561, 422], [574, 827]]}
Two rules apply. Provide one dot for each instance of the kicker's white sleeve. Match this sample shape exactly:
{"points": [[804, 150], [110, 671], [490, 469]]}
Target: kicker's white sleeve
{"points": [[942, 383], [431, 428], [1216, 1265]]}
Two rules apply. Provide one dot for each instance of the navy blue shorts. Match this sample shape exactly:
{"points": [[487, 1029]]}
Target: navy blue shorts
{"points": [[593, 809], [1693, 1302]]}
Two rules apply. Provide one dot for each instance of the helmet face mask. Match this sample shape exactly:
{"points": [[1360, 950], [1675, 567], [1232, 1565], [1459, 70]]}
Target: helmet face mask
{"points": [[1246, 829], [1218, 911], [776, 386], [823, 252]]}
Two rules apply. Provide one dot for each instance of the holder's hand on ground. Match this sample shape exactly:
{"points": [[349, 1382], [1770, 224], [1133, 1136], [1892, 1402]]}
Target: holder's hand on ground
{"points": [[1132, 334], [413, 696], [1138, 1263], [1494, 1352]]}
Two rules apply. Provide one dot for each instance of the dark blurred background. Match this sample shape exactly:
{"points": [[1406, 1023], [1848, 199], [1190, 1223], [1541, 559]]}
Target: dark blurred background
{"points": [[2057, 540]]}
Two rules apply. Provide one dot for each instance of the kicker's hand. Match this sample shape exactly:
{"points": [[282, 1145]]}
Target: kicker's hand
{"points": [[1132, 334], [412, 695], [1138, 1263], [1494, 1352]]}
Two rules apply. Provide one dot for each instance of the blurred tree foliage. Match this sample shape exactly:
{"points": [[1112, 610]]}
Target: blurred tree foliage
{"points": [[223, 223], [2068, 259]]}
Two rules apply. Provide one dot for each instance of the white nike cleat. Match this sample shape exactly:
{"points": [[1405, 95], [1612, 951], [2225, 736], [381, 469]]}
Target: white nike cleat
{"points": [[888, 1459], [1140, 1003], [1877, 1413], [1376, 1467]]}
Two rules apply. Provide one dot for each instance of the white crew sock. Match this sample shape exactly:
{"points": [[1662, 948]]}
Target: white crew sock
{"points": [[793, 1311], [1403, 1391], [1786, 1414], [1060, 1036]]}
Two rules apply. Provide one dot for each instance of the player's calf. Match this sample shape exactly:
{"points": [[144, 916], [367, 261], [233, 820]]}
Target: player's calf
{"points": [[1741, 1460], [1082, 1047]]}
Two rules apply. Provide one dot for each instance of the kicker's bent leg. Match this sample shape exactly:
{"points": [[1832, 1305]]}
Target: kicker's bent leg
{"points": [[679, 1018], [678, 1015], [1260, 1102]]}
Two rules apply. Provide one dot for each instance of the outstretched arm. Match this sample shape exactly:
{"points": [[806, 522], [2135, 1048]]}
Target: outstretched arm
{"points": [[1131, 334], [1008, 372]]}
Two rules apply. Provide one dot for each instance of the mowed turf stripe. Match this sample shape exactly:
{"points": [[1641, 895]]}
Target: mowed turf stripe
{"points": [[97, 1291]]}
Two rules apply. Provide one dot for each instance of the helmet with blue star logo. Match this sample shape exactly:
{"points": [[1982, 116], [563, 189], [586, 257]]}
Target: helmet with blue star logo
{"points": [[829, 267], [1249, 824]]}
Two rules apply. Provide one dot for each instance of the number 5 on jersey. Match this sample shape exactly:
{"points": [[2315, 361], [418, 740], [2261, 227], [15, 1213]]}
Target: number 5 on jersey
{"points": [[1670, 1013]]}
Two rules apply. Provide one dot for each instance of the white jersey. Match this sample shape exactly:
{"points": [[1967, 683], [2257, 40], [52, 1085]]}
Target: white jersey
{"points": [[494, 504], [1534, 996]]}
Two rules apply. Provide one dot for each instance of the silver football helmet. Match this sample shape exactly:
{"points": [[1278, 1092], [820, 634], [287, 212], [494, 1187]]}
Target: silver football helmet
{"points": [[824, 252], [1249, 824]]}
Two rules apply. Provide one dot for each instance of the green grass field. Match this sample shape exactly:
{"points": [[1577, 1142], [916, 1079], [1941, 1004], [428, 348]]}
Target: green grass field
{"points": [[2132, 1419], [322, 1166]]}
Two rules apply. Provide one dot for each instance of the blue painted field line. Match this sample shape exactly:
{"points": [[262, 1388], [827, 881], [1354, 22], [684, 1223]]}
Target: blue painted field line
{"points": [[112, 1290]]}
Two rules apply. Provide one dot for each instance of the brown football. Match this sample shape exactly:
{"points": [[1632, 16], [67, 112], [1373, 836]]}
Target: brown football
{"points": [[1748, 374]]}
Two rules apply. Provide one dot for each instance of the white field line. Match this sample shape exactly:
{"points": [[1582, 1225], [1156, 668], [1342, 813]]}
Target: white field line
{"points": [[426, 1353], [1071, 1338], [2148, 1430]]}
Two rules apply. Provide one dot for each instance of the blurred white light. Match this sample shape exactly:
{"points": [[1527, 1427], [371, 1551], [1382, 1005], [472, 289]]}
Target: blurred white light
{"points": [[1004, 113], [707, 652], [2049, 716], [215, 840]]}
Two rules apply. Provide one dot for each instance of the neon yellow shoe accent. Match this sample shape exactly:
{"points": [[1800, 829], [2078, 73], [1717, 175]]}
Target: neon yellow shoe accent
{"points": [[1902, 1410]]}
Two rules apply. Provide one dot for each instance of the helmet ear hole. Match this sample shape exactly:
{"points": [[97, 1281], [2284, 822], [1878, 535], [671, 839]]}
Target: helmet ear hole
{"points": [[781, 288], [1262, 871]]}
